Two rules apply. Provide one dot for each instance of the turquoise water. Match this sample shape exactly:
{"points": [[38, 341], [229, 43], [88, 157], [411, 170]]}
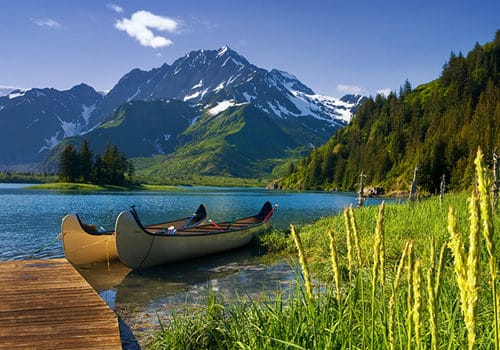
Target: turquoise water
{"points": [[30, 219]]}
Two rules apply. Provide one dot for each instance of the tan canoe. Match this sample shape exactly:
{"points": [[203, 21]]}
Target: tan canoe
{"points": [[140, 246]]}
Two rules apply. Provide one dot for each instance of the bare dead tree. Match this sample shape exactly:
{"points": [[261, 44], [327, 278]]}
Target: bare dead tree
{"points": [[361, 190], [413, 187], [442, 188]]}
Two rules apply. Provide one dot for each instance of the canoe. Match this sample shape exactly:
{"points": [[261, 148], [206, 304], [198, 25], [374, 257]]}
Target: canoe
{"points": [[84, 244], [140, 246]]}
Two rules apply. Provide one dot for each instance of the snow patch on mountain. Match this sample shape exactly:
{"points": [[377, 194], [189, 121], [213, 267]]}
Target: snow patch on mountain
{"points": [[219, 87], [50, 143], [200, 84], [134, 95], [69, 128], [87, 111], [158, 147], [197, 94], [222, 106], [195, 119], [222, 51], [17, 93]]}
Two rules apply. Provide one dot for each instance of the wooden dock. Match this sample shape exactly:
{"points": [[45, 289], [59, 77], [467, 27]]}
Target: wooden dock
{"points": [[47, 304]]}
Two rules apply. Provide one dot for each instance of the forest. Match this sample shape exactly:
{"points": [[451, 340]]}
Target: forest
{"points": [[436, 127]]}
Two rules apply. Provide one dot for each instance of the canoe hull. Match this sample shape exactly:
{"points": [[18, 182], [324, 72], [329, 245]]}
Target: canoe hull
{"points": [[82, 248], [138, 249]]}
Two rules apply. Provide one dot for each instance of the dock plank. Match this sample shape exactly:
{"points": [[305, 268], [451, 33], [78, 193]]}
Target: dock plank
{"points": [[47, 304]]}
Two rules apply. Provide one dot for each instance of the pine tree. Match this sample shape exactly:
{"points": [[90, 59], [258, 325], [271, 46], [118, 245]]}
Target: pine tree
{"points": [[68, 165], [86, 162]]}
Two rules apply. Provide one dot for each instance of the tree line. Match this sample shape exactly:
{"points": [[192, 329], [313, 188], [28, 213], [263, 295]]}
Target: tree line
{"points": [[437, 127], [80, 165]]}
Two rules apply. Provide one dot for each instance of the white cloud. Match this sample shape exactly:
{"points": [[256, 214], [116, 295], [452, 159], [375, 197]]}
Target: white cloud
{"points": [[114, 7], [384, 92], [350, 89], [46, 22], [138, 27]]}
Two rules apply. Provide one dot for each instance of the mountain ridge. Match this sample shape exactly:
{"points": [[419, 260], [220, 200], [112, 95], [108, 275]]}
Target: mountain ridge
{"points": [[211, 81]]}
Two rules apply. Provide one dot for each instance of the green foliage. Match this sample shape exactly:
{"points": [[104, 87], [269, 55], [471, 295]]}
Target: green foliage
{"points": [[25, 177], [69, 165], [110, 169], [437, 126]]}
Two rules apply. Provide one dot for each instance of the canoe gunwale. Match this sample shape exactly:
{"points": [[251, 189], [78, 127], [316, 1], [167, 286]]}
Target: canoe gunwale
{"points": [[212, 228]]}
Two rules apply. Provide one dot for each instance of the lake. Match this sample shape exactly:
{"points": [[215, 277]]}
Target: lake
{"points": [[30, 222]]}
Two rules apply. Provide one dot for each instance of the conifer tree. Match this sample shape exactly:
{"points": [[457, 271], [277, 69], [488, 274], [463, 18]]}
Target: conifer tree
{"points": [[86, 161], [68, 164]]}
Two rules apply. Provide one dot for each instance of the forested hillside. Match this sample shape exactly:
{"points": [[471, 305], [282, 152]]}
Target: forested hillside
{"points": [[437, 127]]}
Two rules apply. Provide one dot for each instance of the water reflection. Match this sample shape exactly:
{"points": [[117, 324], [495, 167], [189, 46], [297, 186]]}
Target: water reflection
{"points": [[143, 297]]}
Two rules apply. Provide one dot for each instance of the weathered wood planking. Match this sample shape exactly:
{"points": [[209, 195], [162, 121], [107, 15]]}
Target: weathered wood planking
{"points": [[47, 304]]}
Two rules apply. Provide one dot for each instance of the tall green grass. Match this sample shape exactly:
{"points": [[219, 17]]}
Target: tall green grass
{"points": [[415, 276]]}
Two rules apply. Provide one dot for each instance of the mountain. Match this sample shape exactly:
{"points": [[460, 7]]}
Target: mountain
{"points": [[437, 127], [139, 128], [172, 108], [210, 77], [34, 120]]}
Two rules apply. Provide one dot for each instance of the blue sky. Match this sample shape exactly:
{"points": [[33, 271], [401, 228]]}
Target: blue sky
{"points": [[334, 47]]}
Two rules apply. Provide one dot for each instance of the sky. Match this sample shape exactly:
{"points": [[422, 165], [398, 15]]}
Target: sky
{"points": [[333, 46]]}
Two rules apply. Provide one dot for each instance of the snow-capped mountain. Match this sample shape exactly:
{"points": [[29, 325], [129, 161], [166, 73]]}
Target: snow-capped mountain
{"points": [[217, 78], [34, 120]]}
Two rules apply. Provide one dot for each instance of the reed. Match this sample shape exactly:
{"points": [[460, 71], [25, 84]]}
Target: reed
{"points": [[417, 302], [392, 299], [432, 307], [335, 266], [473, 271], [486, 211], [352, 229], [355, 235], [409, 299], [303, 263], [348, 235], [378, 267]]}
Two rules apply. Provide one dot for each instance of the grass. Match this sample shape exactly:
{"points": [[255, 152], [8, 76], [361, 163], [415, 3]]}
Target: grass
{"points": [[415, 276], [198, 180], [63, 186], [157, 184]]}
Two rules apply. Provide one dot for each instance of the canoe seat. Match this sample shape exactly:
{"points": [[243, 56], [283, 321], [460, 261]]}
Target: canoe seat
{"points": [[90, 228]]}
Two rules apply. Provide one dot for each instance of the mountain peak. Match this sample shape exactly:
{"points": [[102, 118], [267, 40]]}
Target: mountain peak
{"points": [[291, 81], [82, 88]]}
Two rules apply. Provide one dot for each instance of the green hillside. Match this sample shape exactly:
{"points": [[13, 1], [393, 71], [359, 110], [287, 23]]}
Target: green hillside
{"points": [[241, 142], [437, 127]]}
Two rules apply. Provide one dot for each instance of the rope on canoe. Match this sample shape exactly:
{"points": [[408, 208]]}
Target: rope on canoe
{"points": [[89, 245], [58, 237]]}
